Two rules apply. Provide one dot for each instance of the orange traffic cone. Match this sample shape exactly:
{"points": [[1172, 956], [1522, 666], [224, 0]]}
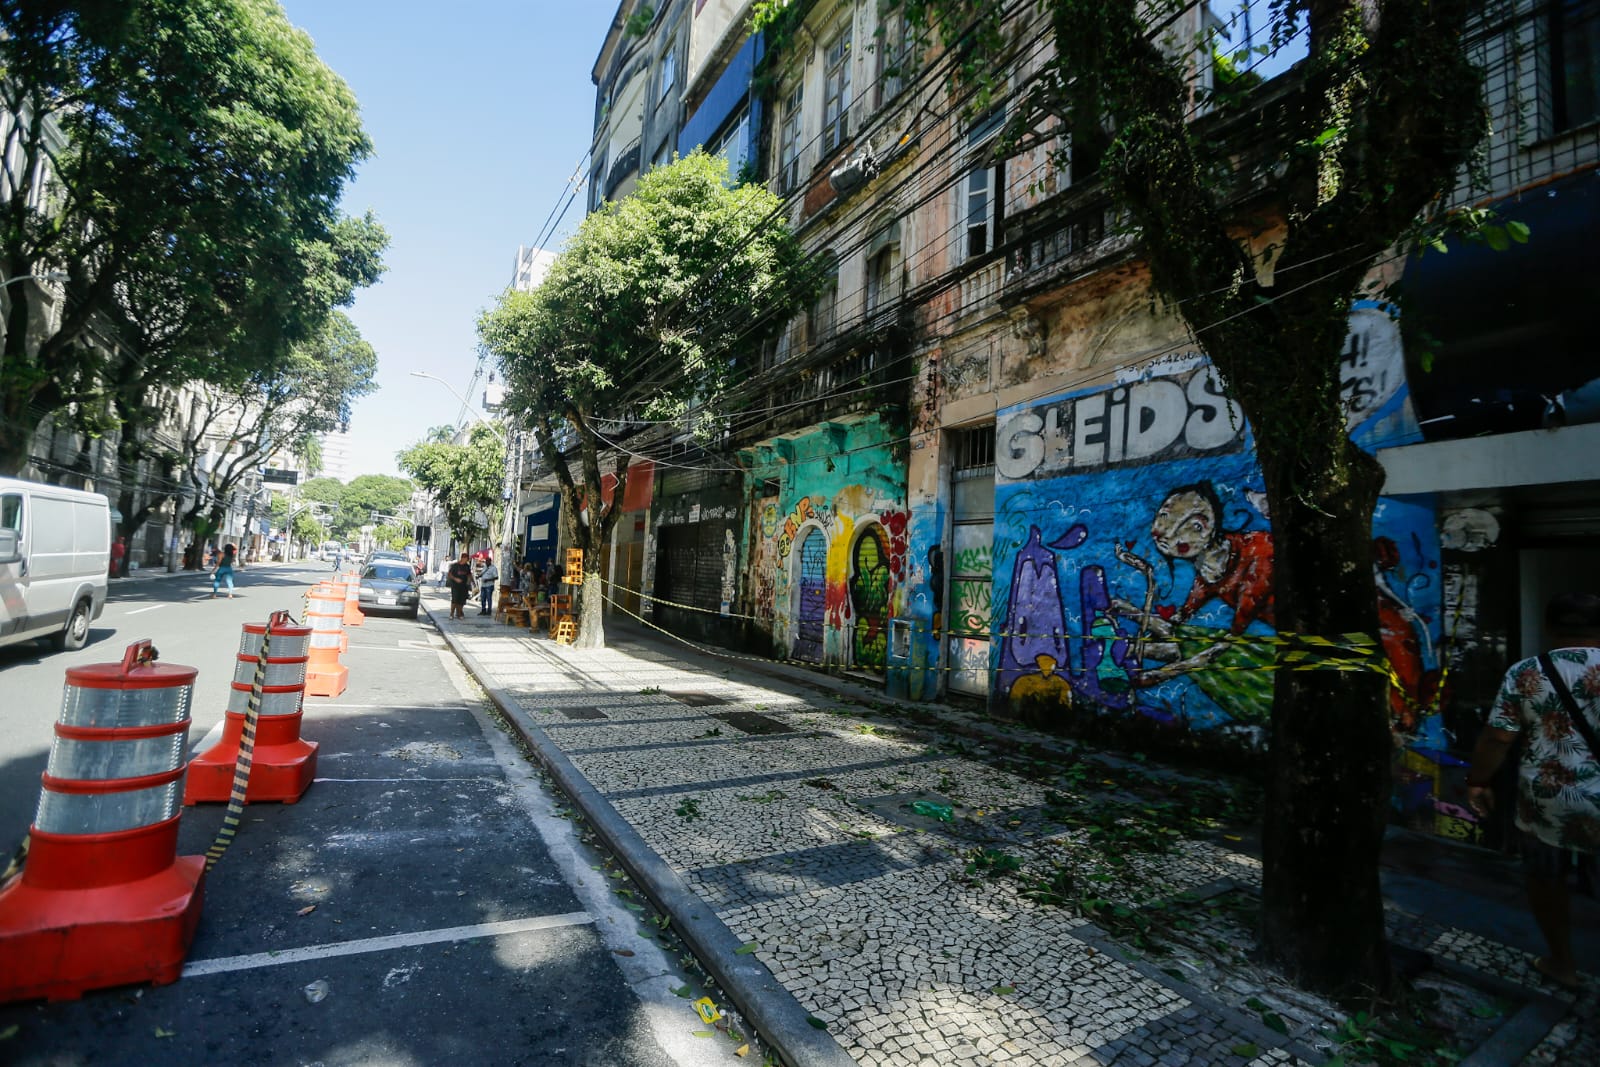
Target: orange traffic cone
{"points": [[325, 675], [282, 764], [353, 615], [104, 898]]}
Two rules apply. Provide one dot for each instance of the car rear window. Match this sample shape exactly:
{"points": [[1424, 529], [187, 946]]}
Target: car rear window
{"points": [[388, 573]]}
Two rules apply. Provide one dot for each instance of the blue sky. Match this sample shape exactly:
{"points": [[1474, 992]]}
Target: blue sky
{"points": [[478, 111]]}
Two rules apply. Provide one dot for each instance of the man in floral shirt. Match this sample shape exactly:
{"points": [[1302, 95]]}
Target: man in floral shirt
{"points": [[1558, 779]]}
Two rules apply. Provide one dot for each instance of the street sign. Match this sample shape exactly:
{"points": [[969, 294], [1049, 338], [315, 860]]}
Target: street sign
{"points": [[281, 477]]}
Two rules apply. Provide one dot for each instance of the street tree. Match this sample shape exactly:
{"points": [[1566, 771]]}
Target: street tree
{"points": [[466, 480], [181, 160], [380, 494], [1363, 140], [648, 310], [308, 393]]}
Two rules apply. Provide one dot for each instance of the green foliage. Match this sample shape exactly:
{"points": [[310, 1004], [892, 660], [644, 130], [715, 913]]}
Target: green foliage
{"points": [[464, 479], [350, 507], [656, 304], [638, 23], [193, 203]]}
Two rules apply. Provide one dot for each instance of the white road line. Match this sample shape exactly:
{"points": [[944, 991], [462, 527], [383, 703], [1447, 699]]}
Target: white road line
{"points": [[478, 778], [141, 611], [390, 707], [255, 960]]}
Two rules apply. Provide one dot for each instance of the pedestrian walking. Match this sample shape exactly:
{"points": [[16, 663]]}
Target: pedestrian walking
{"points": [[486, 584], [459, 578], [1552, 703], [118, 550], [223, 572]]}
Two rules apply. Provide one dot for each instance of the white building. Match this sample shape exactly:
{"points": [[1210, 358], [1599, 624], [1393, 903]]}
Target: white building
{"points": [[336, 445], [531, 266]]}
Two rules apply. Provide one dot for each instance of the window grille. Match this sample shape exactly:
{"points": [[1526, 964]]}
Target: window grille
{"points": [[972, 452]]}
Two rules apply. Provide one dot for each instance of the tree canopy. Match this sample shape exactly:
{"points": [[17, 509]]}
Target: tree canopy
{"points": [[356, 502], [466, 480], [191, 153], [647, 312]]}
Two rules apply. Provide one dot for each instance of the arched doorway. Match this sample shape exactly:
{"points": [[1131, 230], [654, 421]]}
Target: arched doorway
{"points": [[811, 606], [869, 599]]}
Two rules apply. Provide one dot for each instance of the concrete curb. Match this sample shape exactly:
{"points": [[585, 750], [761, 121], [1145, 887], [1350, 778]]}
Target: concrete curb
{"points": [[761, 998]]}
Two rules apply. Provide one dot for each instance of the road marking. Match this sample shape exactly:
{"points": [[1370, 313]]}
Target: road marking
{"points": [[477, 778], [141, 611], [392, 707], [255, 960]]}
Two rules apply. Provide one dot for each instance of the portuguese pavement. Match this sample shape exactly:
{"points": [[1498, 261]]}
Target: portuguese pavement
{"points": [[857, 881]]}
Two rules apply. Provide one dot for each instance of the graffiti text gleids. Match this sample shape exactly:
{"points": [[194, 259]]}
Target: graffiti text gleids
{"points": [[1159, 419]]}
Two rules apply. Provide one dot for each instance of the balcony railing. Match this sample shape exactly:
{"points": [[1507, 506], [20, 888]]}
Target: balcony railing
{"points": [[980, 288], [1068, 243]]}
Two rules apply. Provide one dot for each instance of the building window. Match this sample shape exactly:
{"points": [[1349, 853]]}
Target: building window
{"points": [[836, 91], [789, 141], [980, 209], [822, 316], [1575, 54], [669, 75], [981, 203], [663, 154], [895, 59], [734, 146], [883, 266]]}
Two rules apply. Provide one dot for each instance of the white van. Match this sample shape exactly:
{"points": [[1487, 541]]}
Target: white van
{"points": [[55, 552]]}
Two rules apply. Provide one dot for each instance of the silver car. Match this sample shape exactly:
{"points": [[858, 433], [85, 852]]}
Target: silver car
{"points": [[389, 586]]}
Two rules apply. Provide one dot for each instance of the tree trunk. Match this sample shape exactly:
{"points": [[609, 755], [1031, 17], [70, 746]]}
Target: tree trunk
{"points": [[1327, 797], [591, 617]]}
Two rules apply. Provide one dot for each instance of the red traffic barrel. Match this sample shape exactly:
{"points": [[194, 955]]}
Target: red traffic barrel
{"points": [[104, 899], [282, 764]]}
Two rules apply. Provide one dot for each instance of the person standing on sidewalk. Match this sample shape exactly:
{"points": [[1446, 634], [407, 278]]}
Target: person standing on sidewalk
{"points": [[118, 550], [224, 571], [1552, 702], [486, 583], [459, 578]]}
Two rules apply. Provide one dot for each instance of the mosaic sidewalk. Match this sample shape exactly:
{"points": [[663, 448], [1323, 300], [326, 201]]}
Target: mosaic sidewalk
{"points": [[791, 815]]}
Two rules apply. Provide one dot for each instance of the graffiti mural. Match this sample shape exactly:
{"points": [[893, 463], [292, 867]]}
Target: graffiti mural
{"points": [[869, 599], [1130, 553], [840, 537], [764, 562], [812, 575], [1145, 585]]}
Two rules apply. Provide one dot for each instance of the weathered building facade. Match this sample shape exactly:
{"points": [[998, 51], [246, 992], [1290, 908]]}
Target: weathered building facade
{"points": [[989, 463]]}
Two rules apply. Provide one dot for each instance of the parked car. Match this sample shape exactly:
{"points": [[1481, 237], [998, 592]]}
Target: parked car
{"points": [[389, 586], [55, 546]]}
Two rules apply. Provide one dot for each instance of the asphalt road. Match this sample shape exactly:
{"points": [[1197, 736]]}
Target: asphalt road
{"points": [[423, 902]]}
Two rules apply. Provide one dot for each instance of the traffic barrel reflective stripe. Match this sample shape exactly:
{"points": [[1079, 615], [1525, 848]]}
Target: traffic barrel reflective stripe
{"points": [[104, 899]]}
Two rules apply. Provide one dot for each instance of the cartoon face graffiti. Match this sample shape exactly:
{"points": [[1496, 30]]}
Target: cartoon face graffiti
{"points": [[1186, 523]]}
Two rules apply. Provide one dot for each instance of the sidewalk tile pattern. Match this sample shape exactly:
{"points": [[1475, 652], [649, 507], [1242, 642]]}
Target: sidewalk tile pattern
{"points": [[798, 841]]}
